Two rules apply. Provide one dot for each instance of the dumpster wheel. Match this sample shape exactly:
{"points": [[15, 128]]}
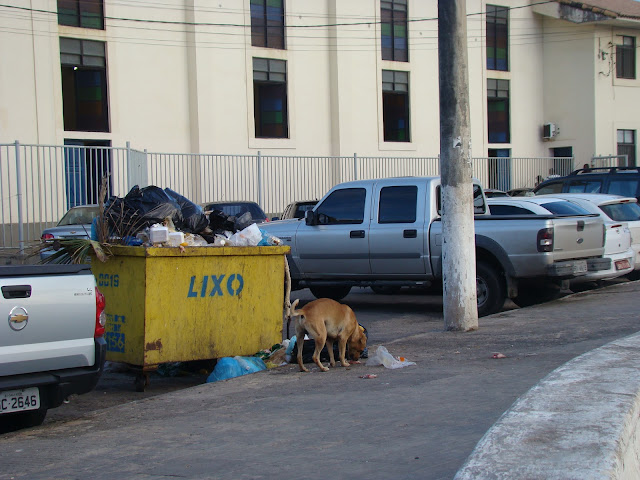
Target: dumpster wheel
{"points": [[141, 381]]}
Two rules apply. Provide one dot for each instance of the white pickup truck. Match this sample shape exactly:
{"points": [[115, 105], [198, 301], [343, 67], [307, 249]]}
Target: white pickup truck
{"points": [[388, 233], [51, 343]]}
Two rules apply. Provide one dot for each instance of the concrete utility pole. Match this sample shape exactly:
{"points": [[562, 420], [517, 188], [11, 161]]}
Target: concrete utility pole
{"points": [[458, 246]]}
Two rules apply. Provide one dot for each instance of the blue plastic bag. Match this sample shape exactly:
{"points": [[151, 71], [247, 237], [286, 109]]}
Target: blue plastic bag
{"points": [[230, 367]]}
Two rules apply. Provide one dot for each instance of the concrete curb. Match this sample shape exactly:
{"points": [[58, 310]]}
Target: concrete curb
{"points": [[580, 422]]}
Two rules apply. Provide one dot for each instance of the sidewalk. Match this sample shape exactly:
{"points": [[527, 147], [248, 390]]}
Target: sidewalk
{"points": [[418, 422]]}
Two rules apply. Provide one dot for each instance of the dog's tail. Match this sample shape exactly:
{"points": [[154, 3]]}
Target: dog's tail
{"points": [[294, 312]]}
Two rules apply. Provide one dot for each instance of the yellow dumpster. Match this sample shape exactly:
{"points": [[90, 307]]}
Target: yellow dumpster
{"points": [[167, 305]]}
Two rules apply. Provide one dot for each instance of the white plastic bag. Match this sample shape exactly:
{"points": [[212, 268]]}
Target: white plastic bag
{"points": [[383, 357], [249, 237]]}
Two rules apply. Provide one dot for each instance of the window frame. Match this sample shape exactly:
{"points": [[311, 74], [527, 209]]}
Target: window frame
{"points": [[78, 13], [494, 96], [494, 15], [626, 58], [390, 10], [272, 79], [394, 87], [628, 145], [75, 64], [261, 27]]}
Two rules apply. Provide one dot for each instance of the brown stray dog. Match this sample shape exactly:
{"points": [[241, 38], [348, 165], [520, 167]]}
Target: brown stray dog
{"points": [[327, 320]]}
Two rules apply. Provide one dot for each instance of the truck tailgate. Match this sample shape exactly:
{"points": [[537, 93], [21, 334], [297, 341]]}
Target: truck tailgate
{"points": [[578, 238], [48, 324]]}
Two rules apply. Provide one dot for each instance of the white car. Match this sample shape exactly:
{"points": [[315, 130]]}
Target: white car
{"points": [[617, 245], [614, 209]]}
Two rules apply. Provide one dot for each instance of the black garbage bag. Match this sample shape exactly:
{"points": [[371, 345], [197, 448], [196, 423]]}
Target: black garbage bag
{"points": [[139, 209], [220, 222], [243, 221], [194, 220]]}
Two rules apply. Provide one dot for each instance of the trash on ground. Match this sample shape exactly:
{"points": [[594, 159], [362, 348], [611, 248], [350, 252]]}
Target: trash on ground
{"points": [[498, 355], [369, 375], [275, 356], [231, 367], [383, 357]]}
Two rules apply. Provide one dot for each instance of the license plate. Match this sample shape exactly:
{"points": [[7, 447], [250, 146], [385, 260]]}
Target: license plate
{"points": [[19, 400], [580, 267], [622, 264]]}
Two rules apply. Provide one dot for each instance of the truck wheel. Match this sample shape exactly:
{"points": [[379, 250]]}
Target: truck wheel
{"points": [[334, 293], [490, 289]]}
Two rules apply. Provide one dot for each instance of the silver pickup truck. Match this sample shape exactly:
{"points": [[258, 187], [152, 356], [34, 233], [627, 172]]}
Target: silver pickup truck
{"points": [[387, 232], [51, 341]]}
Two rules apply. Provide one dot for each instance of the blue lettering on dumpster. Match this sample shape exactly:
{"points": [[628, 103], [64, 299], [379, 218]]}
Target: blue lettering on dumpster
{"points": [[216, 290], [230, 284], [108, 280], [114, 336], [216, 285]]}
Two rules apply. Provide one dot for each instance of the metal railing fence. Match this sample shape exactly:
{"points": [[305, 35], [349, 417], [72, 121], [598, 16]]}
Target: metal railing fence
{"points": [[39, 183]]}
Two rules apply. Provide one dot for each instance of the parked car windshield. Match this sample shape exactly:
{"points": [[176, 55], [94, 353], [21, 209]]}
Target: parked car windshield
{"points": [[79, 216], [565, 208], [622, 212]]}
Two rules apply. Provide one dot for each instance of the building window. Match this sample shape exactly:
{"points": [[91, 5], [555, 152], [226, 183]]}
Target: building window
{"points": [[395, 106], [394, 30], [84, 85], [81, 13], [497, 38], [498, 111], [627, 146], [270, 98], [626, 58], [267, 23]]}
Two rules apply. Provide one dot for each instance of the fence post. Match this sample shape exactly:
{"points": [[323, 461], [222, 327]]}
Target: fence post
{"points": [[259, 165], [19, 199], [355, 166]]}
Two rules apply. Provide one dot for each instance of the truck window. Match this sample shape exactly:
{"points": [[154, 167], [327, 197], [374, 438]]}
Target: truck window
{"points": [[398, 204], [479, 207], [509, 210], [626, 187], [555, 187], [584, 186], [565, 208], [344, 206]]}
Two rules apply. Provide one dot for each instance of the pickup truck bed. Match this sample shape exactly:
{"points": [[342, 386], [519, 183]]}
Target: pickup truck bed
{"points": [[51, 346]]}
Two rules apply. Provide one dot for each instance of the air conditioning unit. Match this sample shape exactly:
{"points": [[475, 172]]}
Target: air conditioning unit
{"points": [[549, 130]]}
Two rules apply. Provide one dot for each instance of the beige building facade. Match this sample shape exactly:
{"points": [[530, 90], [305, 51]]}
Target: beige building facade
{"points": [[321, 77]]}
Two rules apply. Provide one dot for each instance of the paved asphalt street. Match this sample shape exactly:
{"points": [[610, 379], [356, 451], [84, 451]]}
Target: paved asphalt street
{"points": [[417, 422]]}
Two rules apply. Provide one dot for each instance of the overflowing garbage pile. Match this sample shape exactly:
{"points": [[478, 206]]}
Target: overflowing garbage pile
{"points": [[151, 216]]}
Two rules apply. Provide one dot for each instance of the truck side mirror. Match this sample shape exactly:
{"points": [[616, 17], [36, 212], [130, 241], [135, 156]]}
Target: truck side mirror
{"points": [[310, 218]]}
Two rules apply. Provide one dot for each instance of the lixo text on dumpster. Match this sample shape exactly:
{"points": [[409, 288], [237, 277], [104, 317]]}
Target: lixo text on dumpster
{"points": [[114, 336], [212, 285]]}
